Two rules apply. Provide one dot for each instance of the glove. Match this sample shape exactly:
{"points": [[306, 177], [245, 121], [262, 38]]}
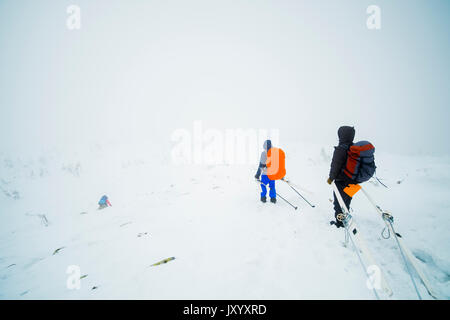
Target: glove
{"points": [[258, 174], [329, 181]]}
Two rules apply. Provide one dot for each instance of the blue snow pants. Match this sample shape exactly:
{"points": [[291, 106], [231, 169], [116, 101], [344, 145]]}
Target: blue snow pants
{"points": [[264, 181]]}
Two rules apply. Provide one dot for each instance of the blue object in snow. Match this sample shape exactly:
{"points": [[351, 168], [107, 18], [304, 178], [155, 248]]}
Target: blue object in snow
{"points": [[103, 200]]}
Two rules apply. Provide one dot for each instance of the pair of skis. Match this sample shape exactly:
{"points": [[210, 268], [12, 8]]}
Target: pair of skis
{"points": [[407, 256], [353, 234], [377, 282]]}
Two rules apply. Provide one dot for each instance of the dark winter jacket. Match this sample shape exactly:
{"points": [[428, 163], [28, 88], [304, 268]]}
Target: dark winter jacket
{"points": [[346, 135], [262, 168]]}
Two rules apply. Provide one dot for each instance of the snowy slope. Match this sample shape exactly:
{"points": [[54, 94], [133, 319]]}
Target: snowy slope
{"points": [[227, 244]]}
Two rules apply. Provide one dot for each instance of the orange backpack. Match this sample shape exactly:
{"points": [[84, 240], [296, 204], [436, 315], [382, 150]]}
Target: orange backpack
{"points": [[276, 169]]}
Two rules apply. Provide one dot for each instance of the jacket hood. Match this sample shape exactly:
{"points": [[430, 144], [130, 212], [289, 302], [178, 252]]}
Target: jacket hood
{"points": [[267, 145], [346, 134]]}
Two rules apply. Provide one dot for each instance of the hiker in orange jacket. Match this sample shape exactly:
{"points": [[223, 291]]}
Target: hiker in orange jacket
{"points": [[262, 169]]}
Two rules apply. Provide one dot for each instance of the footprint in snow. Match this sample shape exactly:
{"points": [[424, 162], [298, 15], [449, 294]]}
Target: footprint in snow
{"points": [[42, 217], [124, 224], [57, 250], [141, 234], [441, 267], [33, 262], [24, 293]]}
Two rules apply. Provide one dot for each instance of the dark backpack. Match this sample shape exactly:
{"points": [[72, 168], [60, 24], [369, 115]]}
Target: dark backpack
{"points": [[360, 166]]}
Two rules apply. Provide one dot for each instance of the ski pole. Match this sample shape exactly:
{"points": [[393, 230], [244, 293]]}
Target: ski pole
{"points": [[287, 202], [281, 197], [313, 206]]}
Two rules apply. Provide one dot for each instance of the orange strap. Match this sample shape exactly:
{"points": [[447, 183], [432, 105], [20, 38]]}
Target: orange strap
{"points": [[352, 189]]}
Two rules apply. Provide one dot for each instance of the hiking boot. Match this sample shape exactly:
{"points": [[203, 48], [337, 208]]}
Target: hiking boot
{"points": [[263, 199], [338, 224], [340, 218], [273, 200]]}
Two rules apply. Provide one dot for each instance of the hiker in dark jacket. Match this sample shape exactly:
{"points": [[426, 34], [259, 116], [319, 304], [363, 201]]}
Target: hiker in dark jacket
{"points": [[346, 135]]}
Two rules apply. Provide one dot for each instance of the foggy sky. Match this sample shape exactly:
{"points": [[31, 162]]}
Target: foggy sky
{"points": [[141, 69]]}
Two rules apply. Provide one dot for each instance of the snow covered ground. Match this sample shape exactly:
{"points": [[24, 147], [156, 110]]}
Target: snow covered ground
{"points": [[226, 243]]}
